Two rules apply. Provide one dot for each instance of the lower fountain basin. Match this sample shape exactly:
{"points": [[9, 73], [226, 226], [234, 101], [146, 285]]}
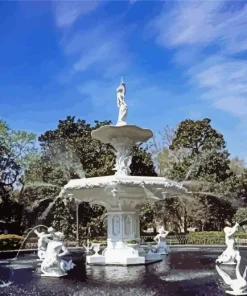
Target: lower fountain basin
{"points": [[185, 271]]}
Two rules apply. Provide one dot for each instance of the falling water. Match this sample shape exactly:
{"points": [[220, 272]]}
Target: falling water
{"points": [[28, 236], [47, 210]]}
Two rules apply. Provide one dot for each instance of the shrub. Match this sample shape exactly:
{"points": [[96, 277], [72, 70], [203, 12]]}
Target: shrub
{"points": [[132, 242], [211, 237], [10, 242], [99, 241]]}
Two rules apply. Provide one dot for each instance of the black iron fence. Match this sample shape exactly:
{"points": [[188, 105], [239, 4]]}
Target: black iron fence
{"points": [[171, 240]]}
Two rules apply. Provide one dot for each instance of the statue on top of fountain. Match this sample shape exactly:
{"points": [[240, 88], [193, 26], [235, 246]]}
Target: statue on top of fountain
{"points": [[53, 265], [161, 247], [229, 255], [123, 109], [42, 242]]}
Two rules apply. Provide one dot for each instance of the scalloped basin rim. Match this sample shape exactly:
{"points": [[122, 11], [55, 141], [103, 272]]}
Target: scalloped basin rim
{"points": [[135, 180], [106, 133]]}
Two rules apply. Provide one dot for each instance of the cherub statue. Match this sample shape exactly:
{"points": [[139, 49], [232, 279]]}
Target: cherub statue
{"points": [[42, 242], [123, 109], [53, 264]]}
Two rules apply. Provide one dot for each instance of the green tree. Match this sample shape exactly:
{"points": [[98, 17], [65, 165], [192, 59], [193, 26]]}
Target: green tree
{"points": [[241, 216], [17, 149], [65, 208], [196, 156]]}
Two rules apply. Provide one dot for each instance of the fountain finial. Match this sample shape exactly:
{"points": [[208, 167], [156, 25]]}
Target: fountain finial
{"points": [[121, 91]]}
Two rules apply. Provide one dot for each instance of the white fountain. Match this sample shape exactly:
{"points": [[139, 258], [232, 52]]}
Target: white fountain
{"points": [[228, 256], [238, 285], [122, 194]]}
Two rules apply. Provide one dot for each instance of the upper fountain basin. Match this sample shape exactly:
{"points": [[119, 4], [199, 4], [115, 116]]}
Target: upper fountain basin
{"points": [[136, 134], [135, 188]]}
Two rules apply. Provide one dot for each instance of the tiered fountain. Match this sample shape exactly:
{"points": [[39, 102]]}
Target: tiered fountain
{"points": [[122, 194]]}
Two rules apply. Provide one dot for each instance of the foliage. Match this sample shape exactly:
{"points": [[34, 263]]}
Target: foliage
{"points": [[195, 154], [16, 151], [10, 242], [132, 242], [147, 215], [237, 166], [94, 157], [63, 216], [240, 215], [211, 237], [207, 159], [98, 241]]}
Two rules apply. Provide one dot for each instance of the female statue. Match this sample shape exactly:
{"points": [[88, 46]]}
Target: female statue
{"points": [[121, 91], [160, 238], [228, 256]]}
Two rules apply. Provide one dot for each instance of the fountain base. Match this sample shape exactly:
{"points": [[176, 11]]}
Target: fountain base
{"points": [[236, 293], [53, 275], [124, 257], [128, 262], [99, 259], [150, 256]]}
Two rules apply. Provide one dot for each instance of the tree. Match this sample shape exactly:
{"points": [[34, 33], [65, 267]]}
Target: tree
{"points": [[196, 156], [237, 166], [17, 148], [65, 208], [164, 158], [207, 159], [241, 216]]}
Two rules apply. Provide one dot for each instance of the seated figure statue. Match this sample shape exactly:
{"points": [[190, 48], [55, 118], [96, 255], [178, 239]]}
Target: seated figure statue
{"points": [[161, 247], [229, 255], [53, 265]]}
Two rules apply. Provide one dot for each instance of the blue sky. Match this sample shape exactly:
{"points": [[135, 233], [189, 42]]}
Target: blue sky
{"points": [[179, 59]]}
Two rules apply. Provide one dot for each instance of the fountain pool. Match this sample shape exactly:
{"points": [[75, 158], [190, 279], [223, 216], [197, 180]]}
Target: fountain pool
{"points": [[186, 271]]}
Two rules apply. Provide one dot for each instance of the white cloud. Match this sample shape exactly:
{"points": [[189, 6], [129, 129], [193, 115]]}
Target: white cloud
{"points": [[67, 12], [203, 23], [196, 28], [99, 46]]}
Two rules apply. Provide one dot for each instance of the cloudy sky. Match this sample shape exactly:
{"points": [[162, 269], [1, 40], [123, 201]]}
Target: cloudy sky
{"points": [[179, 59]]}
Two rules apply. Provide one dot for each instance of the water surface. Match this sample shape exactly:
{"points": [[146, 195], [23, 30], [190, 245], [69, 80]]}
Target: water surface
{"points": [[186, 271]]}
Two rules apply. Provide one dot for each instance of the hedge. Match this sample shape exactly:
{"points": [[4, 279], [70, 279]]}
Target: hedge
{"points": [[10, 242], [208, 237]]}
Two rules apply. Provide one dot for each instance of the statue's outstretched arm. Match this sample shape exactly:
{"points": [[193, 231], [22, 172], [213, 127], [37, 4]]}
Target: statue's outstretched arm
{"points": [[65, 251], [37, 233], [156, 237], [233, 229]]}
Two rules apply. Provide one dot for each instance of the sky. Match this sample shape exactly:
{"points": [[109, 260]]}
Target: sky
{"points": [[179, 60]]}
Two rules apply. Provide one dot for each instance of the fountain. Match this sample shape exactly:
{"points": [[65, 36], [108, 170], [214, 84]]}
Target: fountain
{"points": [[228, 256], [122, 194]]}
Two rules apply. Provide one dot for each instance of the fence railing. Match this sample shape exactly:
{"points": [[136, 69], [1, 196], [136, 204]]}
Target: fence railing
{"points": [[171, 240]]}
